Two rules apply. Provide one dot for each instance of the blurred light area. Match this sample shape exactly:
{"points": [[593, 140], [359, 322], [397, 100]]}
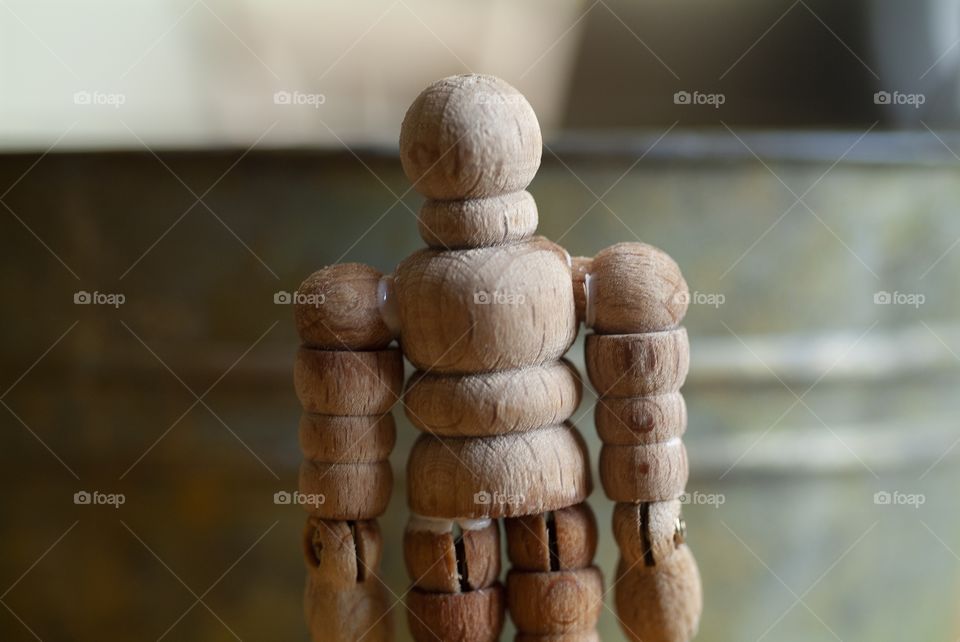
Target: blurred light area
{"points": [[204, 73], [194, 74]]}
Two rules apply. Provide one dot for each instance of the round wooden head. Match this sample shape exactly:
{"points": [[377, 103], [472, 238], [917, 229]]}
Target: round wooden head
{"points": [[470, 136]]}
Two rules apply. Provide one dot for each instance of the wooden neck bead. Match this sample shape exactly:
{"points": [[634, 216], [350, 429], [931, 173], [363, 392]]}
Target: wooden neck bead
{"points": [[478, 222]]}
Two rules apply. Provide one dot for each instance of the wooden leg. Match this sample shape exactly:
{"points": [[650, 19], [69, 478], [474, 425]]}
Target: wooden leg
{"points": [[554, 592]]}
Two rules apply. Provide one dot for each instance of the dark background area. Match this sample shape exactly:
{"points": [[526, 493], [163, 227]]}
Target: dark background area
{"points": [[798, 201]]}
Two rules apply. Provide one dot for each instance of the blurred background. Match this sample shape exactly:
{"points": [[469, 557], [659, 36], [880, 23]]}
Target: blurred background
{"points": [[168, 166]]}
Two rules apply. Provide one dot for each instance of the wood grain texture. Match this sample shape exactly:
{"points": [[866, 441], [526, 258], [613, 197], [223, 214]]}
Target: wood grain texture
{"points": [[335, 439], [555, 602], [647, 533], [347, 615], [635, 287], [478, 222], [650, 473], [572, 531], [473, 616], [493, 403], [337, 309], [501, 476], [342, 554], [624, 421], [438, 563], [638, 365], [481, 310], [660, 603], [339, 382], [348, 491], [470, 136], [576, 636]]}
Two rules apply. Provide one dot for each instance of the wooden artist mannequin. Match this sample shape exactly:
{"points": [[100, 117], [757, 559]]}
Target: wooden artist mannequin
{"points": [[485, 314]]}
